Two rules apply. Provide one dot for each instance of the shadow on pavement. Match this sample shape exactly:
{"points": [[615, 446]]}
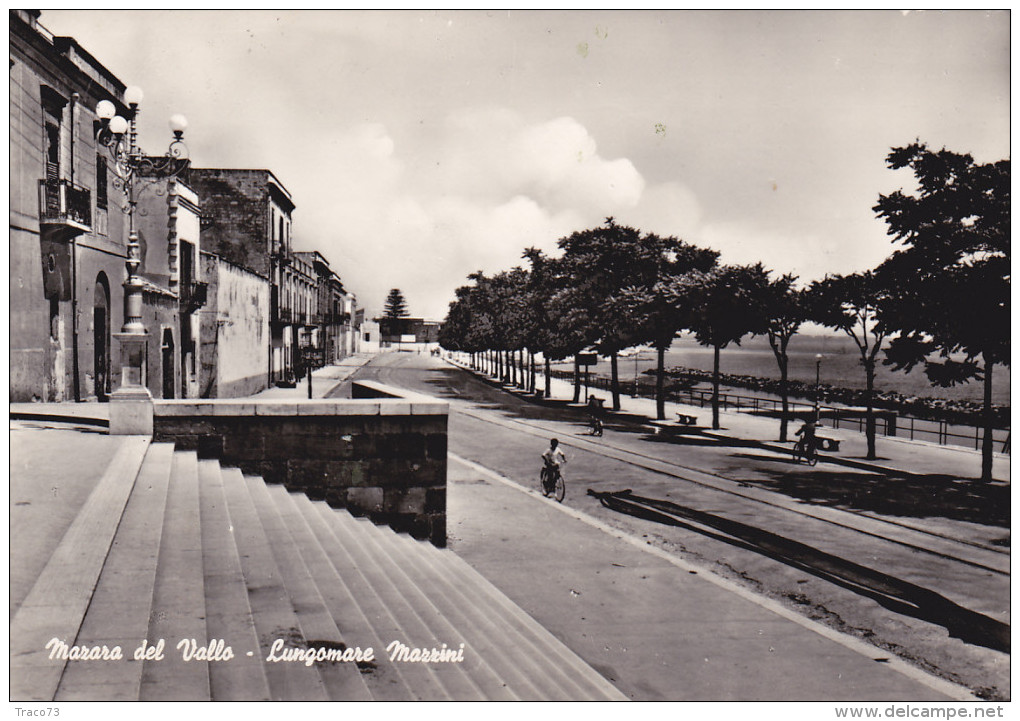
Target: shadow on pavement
{"points": [[915, 496], [895, 594]]}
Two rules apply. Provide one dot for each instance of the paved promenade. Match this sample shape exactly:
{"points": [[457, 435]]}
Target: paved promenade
{"points": [[651, 624], [895, 455]]}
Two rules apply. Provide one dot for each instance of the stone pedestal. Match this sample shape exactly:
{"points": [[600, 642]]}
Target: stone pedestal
{"points": [[131, 404], [131, 412]]}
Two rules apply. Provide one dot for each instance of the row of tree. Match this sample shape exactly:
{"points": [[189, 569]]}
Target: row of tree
{"points": [[940, 302]]}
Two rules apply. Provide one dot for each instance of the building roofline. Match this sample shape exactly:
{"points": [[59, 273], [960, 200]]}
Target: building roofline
{"points": [[63, 42], [95, 77], [271, 179]]}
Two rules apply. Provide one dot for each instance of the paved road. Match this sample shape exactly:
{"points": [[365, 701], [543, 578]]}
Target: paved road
{"points": [[493, 526]]}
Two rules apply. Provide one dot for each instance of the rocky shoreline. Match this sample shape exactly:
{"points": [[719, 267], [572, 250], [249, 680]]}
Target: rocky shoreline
{"points": [[929, 408]]}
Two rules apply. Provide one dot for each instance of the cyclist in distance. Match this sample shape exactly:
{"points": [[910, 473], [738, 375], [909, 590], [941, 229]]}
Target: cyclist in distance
{"points": [[553, 459], [807, 433], [595, 412]]}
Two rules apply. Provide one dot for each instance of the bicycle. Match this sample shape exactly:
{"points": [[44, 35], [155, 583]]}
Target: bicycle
{"points": [[801, 452], [555, 487]]}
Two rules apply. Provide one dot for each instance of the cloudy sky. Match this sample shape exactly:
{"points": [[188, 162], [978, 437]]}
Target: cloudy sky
{"points": [[421, 146]]}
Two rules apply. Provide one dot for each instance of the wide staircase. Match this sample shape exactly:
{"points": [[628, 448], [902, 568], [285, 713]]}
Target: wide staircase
{"points": [[169, 546]]}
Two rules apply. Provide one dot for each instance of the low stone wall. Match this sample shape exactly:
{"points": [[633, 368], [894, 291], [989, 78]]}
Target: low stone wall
{"points": [[381, 454]]}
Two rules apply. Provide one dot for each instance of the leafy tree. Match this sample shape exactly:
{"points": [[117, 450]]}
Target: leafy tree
{"points": [[469, 324], [783, 309], [546, 334], [949, 287], [598, 264], [510, 300], [659, 312], [850, 304], [725, 306]]}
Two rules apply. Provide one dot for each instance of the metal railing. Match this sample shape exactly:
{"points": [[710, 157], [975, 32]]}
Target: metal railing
{"points": [[887, 423], [193, 295], [61, 202]]}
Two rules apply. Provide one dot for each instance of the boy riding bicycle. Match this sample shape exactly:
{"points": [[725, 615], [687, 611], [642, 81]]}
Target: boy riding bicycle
{"points": [[553, 459]]}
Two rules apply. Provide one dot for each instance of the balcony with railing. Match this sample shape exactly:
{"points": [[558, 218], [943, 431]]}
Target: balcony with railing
{"points": [[337, 319], [193, 295], [65, 205]]}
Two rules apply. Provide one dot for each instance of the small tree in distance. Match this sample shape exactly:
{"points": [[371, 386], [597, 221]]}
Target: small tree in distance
{"points": [[396, 306], [725, 305], [784, 313], [849, 303], [395, 310]]}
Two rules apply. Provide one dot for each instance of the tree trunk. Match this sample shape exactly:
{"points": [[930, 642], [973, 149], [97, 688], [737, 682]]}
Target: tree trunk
{"points": [[989, 423], [784, 418], [548, 377], [577, 380], [616, 380], [532, 383], [513, 367], [660, 384], [869, 392], [715, 390]]}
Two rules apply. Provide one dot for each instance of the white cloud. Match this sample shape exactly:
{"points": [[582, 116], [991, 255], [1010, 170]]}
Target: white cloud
{"points": [[806, 255], [489, 185]]}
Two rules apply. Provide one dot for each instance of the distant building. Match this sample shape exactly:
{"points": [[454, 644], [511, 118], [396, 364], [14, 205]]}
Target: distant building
{"points": [[414, 334], [334, 336], [234, 330], [369, 339], [246, 220], [299, 304], [173, 292]]}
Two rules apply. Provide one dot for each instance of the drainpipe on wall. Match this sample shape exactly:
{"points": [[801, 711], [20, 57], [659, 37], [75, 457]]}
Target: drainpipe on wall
{"points": [[74, 266]]}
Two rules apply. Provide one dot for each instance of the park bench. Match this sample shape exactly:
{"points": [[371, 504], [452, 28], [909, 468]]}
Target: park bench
{"points": [[682, 423], [827, 444]]}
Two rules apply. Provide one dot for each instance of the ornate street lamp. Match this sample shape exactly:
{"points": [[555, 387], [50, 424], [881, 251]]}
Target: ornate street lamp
{"points": [[818, 382], [133, 171]]}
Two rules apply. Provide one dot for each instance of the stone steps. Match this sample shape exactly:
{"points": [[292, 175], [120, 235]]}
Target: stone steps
{"points": [[178, 605], [56, 604], [120, 608], [342, 681], [179, 550]]}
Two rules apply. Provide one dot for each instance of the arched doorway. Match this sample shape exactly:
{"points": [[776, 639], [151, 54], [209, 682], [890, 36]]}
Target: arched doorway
{"points": [[101, 338], [167, 347]]}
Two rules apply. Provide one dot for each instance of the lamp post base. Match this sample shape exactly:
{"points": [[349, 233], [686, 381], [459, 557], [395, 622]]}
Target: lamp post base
{"points": [[131, 412], [131, 404]]}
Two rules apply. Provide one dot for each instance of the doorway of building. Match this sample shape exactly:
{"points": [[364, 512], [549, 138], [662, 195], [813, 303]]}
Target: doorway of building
{"points": [[101, 338], [168, 363]]}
